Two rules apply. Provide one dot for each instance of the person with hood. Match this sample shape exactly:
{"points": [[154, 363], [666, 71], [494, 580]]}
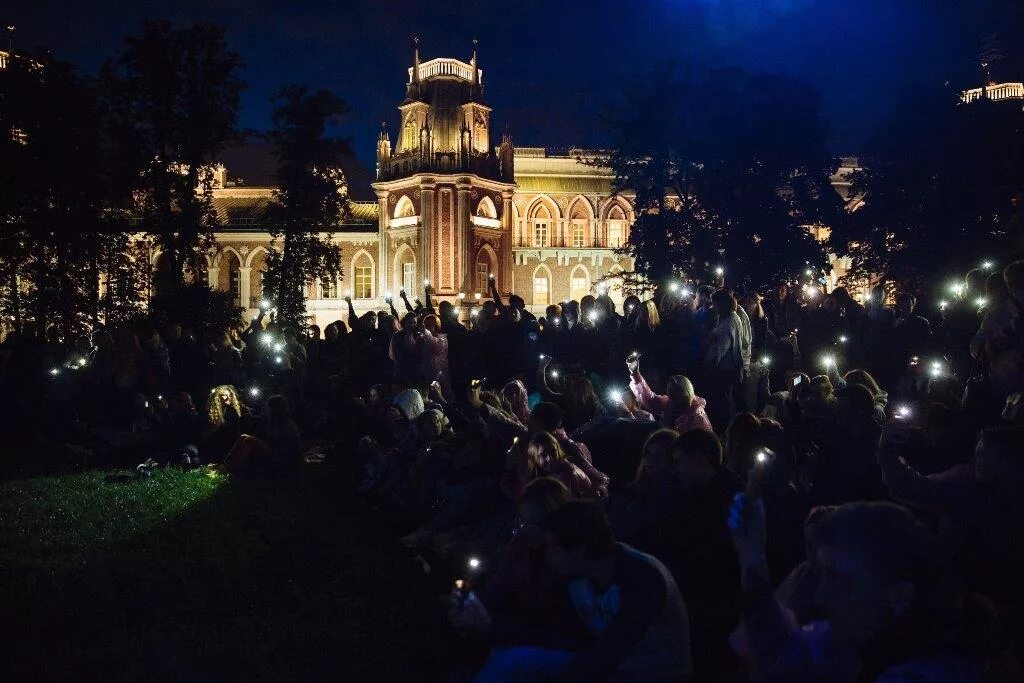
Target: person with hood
{"points": [[679, 408]]}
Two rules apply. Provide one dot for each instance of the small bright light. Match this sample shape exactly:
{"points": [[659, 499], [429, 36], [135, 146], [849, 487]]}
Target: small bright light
{"points": [[843, 339], [808, 272], [629, 308], [828, 360], [268, 338], [719, 271], [866, 297], [542, 356], [674, 287], [82, 362], [988, 265], [981, 302], [592, 316], [477, 296], [264, 304], [957, 288], [903, 412], [556, 321], [254, 392], [762, 457], [490, 276], [474, 563], [426, 282], [943, 305], [766, 360], [159, 397], [686, 293], [936, 369], [473, 312], [462, 295], [279, 347], [348, 293], [554, 373], [54, 371], [278, 359], [615, 395]]}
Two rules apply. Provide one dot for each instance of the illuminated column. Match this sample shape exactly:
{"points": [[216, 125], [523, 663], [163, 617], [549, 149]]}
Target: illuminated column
{"points": [[427, 230], [506, 238], [382, 247], [243, 286], [214, 274], [465, 267]]}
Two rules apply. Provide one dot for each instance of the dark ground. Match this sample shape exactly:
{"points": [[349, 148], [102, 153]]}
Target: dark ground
{"points": [[183, 577]]}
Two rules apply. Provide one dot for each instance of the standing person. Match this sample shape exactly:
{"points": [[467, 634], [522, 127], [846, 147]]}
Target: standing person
{"points": [[756, 385], [723, 362]]}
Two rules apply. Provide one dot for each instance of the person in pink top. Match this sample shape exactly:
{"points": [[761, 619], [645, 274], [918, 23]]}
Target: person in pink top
{"points": [[681, 409]]}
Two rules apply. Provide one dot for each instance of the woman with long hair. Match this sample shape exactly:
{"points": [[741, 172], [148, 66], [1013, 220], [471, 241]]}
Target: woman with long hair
{"points": [[545, 458], [223, 423]]}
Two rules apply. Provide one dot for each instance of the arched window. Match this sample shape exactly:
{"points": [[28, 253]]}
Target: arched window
{"points": [[541, 227], [362, 276], [486, 208], [404, 208], [579, 283], [486, 263], [616, 227], [230, 277], [579, 222], [541, 287]]}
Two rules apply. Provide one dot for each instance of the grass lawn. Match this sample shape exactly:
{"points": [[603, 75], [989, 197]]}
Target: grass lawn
{"points": [[182, 577]]}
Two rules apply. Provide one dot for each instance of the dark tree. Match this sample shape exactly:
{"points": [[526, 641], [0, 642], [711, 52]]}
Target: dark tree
{"points": [[943, 190], [172, 100], [728, 170], [311, 199]]}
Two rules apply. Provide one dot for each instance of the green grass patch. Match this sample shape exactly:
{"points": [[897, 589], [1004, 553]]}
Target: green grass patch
{"points": [[182, 577]]}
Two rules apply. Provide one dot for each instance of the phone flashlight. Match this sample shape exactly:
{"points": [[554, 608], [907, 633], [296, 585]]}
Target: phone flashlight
{"points": [[674, 287], [554, 374], [592, 316], [264, 304], [426, 282], [82, 362], [473, 563], [719, 271], [766, 361], [278, 359], [843, 339], [268, 338], [254, 392], [54, 371], [615, 395], [903, 412]]}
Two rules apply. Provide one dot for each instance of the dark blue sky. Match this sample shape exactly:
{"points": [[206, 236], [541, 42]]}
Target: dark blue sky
{"points": [[550, 66]]}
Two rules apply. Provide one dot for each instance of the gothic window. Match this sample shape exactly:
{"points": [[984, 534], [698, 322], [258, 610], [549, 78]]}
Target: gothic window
{"points": [[541, 289], [541, 227], [579, 284], [483, 273], [579, 234], [363, 282], [404, 208], [409, 277], [616, 227], [234, 276]]}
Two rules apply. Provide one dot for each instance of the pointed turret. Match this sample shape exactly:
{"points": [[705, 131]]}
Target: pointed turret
{"points": [[506, 157], [383, 148], [472, 63]]}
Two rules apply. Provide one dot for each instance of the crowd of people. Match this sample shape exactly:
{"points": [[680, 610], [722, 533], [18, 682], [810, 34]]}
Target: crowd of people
{"points": [[708, 484]]}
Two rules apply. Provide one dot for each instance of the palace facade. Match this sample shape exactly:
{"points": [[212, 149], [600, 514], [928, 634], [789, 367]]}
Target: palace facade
{"points": [[453, 205]]}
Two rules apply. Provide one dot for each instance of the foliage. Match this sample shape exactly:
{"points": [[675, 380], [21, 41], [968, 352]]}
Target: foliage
{"points": [[727, 168], [944, 190], [310, 200], [197, 306], [171, 102]]}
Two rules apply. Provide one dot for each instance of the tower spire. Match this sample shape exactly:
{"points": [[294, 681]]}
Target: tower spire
{"points": [[472, 62], [416, 60]]}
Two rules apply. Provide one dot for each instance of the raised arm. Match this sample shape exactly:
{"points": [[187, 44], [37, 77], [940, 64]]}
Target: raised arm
{"points": [[405, 299], [427, 289], [495, 295], [353, 319]]}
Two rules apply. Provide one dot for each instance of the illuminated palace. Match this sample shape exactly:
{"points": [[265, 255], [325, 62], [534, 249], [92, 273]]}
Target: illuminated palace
{"points": [[453, 205]]}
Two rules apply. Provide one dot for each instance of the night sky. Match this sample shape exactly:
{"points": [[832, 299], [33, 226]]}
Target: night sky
{"points": [[550, 67]]}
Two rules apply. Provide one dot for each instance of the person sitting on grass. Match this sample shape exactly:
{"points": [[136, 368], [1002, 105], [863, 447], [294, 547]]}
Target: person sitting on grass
{"points": [[224, 414], [628, 602], [543, 457]]}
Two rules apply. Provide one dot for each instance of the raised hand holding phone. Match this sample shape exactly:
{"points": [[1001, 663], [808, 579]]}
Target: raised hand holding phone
{"points": [[633, 363]]}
